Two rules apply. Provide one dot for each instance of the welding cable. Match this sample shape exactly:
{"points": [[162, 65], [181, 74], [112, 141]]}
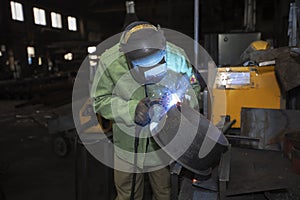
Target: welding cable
{"points": [[138, 130]]}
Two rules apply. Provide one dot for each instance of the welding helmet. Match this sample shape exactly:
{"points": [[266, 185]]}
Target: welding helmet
{"points": [[144, 46]]}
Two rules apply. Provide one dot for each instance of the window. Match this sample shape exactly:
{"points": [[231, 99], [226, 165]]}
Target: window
{"points": [[91, 49], [56, 20], [40, 62], [30, 54], [16, 11], [30, 51], [39, 16], [3, 47], [72, 24], [68, 56]]}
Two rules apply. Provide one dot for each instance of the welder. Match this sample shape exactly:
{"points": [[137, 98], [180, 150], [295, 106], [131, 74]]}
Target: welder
{"points": [[125, 85]]}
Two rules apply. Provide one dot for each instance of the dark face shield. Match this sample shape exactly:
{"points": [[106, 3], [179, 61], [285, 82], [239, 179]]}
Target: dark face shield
{"points": [[150, 69]]}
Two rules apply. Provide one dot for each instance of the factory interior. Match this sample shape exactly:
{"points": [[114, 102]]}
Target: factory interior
{"points": [[245, 53]]}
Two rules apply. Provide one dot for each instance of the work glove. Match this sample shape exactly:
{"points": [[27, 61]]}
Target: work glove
{"points": [[142, 117]]}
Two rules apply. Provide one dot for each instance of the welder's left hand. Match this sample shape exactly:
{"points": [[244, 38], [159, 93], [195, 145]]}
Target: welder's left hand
{"points": [[142, 117]]}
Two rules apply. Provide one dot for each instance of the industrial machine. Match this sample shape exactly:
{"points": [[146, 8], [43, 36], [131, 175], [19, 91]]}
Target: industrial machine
{"points": [[90, 124], [238, 87], [220, 46]]}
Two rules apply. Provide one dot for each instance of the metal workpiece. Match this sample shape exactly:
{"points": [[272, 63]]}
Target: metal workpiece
{"points": [[191, 139], [190, 192], [268, 125], [259, 171], [210, 183], [287, 64], [224, 173]]}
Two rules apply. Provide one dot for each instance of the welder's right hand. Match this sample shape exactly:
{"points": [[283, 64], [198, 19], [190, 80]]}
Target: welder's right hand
{"points": [[142, 117]]}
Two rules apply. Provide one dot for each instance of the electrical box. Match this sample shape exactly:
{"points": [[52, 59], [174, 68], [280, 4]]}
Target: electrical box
{"points": [[226, 48]]}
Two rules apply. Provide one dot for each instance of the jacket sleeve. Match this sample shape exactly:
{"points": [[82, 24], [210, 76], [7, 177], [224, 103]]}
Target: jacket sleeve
{"points": [[108, 104], [178, 62], [187, 68], [196, 88]]}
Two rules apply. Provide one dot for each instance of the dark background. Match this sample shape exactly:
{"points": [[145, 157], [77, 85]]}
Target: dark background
{"points": [[100, 19], [29, 167]]}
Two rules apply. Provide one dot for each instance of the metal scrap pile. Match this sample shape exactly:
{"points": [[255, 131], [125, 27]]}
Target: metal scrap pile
{"points": [[287, 64]]}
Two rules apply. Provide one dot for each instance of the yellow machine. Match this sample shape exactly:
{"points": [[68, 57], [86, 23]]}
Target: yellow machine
{"points": [[260, 45], [237, 87], [88, 123]]}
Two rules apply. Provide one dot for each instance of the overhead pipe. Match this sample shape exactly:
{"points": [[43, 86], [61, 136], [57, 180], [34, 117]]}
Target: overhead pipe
{"points": [[196, 31]]}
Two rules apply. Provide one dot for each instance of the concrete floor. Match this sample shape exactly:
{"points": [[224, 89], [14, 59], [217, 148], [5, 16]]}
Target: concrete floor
{"points": [[29, 169]]}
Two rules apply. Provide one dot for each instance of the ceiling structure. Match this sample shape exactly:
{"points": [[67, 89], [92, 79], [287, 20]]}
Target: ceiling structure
{"points": [[100, 19]]}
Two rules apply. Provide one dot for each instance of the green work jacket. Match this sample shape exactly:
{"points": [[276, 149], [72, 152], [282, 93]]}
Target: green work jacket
{"points": [[116, 94]]}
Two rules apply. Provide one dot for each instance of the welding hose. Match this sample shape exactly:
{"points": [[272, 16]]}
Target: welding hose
{"points": [[138, 130]]}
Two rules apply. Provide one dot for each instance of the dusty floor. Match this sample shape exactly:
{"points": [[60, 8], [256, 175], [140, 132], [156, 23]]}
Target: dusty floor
{"points": [[29, 169]]}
